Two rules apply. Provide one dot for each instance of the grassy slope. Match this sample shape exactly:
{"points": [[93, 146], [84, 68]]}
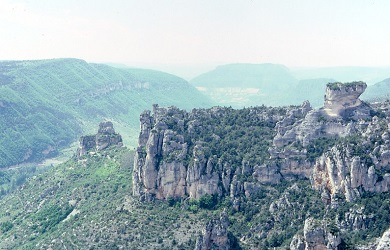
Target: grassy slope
{"points": [[47, 104]]}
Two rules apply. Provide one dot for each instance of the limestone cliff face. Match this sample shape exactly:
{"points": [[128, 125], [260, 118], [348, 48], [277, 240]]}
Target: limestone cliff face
{"points": [[104, 138], [349, 169], [340, 173], [343, 148], [215, 235], [316, 237], [171, 161], [384, 242], [358, 158], [343, 99]]}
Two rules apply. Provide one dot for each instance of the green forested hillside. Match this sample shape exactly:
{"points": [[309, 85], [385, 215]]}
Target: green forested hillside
{"points": [[379, 91], [46, 104], [309, 89], [85, 204], [243, 85], [264, 76], [240, 85], [370, 75]]}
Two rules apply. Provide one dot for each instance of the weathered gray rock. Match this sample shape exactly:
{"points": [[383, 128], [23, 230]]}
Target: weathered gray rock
{"points": [[105, 138], [384, 242], [267, 174], [161, 166], [171, 161], [340, 173], [215, 234], [342, 100], [314, 235], [297, 243], [354, 220]]}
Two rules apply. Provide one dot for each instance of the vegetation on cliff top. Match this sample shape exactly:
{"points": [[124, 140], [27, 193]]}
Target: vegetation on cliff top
{"points": [[338, 85]]}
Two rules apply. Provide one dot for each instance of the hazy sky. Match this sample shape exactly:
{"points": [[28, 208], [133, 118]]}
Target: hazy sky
{"points": [[294, 33]]}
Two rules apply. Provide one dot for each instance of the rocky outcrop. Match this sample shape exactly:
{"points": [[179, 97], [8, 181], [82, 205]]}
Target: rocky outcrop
{"points": [[358, 163], [354, 220], [339, 173], [316, 237], [341, 104], [104, 138], [343, 148], [171, 162], [215, 235], [297, 243], [342, 100], [384, 242]]}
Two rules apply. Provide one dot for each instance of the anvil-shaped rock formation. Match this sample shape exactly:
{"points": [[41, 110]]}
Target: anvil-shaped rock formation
{"points": [[342, 100]]}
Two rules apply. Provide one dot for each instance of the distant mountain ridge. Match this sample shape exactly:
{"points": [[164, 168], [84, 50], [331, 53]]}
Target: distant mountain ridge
{"points": [[379, 91], [370, 75], [46, 104], [243, 85], [262, 76]]}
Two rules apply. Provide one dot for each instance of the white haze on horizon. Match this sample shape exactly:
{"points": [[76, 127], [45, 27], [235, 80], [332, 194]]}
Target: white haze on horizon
{"points": [[200, 33]]}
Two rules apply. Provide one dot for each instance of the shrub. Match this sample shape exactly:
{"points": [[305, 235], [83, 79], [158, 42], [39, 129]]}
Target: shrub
{"points": [[6, 226]]}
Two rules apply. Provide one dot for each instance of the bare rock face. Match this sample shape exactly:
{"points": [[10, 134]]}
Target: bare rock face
{"points": [[384, 243], [167, 166], [343, 148], [340, 172], [354, 220], [105, 138], [215, 235], [346, 168], [342, 100], [297, 243], [316, 237], [159, 171]]}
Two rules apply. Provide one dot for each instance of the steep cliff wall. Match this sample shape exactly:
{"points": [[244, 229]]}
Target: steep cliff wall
{"points": [[222, 151], [205, 151], [342, 99]]}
